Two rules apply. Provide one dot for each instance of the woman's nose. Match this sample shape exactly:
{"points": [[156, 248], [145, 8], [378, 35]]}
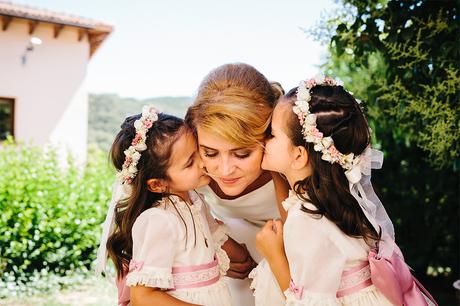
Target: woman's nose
{"points": [[226, 166]]}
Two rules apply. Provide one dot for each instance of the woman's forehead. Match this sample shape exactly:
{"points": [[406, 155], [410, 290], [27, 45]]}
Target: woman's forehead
{"points": [[212, 140]]}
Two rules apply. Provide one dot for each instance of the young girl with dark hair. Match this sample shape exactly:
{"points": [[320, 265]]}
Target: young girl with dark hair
{"points": [[337, 243], [164, 243]]}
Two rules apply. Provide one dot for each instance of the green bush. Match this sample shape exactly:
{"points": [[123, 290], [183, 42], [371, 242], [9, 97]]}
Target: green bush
{"points": [[51, 213]]}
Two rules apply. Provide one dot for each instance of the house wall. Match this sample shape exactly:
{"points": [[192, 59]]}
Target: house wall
{"points": [[51, 101]]}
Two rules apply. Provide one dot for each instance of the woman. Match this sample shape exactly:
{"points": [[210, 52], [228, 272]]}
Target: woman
{"points": [[230, 115]]}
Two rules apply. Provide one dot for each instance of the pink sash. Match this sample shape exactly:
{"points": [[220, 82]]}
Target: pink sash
{"points": [[194, 276], [353, 280], [392, 277]]}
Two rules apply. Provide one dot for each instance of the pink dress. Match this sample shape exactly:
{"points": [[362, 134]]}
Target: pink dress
{"points": [[170, 253]]}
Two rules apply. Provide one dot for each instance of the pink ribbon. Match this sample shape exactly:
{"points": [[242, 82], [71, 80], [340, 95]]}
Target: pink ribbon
{"points": [[297, 291], [135, 265], [123, 290], [393, 278]]}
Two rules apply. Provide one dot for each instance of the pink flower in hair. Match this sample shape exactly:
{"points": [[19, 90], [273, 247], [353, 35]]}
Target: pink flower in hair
{"points": [[333, 152], [329, 81], [148, 123], [310, 83], [136, 139], [315, 132], [127, 162]]}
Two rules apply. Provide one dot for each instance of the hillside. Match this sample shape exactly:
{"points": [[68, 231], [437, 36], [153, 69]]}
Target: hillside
{"points": [[107, 112]]}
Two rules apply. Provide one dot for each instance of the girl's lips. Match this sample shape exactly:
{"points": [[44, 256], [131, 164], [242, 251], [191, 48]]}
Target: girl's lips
{"points": [[229, 181]]}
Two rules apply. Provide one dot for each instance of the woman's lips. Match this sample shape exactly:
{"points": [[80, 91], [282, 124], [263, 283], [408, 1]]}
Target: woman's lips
{"points": [[229, 181]]}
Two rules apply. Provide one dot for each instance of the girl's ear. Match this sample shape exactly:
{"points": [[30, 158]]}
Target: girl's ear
{"points": [[300, 159], [157, 185]]}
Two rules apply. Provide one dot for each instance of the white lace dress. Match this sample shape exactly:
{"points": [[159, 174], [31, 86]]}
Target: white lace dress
{"points": [[244, 217], [327, 267], [177, 248]]}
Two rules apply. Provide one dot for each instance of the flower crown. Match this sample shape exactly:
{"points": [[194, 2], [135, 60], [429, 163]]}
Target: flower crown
{"points": [[310, 132], [133, 153]]}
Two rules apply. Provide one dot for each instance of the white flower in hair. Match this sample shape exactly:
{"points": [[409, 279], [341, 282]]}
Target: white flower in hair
{"points": [[303, 93], [311, 134], [318, 147], [327, 142], [132, 154], [141, 147], [311, 119]]}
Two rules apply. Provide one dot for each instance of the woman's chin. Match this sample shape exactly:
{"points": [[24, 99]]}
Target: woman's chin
{"points": [[231, 189]]}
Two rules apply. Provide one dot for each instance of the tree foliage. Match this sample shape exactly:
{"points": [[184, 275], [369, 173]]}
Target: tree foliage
{"points": [[419, 41]]}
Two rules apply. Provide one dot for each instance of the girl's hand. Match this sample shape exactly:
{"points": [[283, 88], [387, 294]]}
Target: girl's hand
{"points": [[269, 240]]}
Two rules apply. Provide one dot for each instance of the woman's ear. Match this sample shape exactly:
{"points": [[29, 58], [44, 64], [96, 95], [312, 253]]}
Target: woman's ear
{"points": [[300, 158], [157, 185]]}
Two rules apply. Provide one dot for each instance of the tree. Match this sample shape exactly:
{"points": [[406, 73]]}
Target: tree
{"points": [[419, 41]]}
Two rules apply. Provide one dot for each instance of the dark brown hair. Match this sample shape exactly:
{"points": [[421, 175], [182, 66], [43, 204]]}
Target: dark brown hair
{"points": [[340, 117], [153, 163]]}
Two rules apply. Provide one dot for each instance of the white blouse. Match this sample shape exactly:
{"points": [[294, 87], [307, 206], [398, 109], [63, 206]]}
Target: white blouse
{"points": [[244, 217], [174, 248], [319, 256], [246, 214]]}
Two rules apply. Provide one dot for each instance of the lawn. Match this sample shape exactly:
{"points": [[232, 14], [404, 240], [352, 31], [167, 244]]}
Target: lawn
{"points": [[93, 292]]}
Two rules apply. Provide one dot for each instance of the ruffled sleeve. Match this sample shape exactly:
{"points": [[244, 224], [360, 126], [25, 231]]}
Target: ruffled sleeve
{"points": [[219, 232], [154, 242]]}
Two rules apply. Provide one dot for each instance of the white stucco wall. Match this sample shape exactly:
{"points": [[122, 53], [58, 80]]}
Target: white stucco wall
{"points": [[51, 101]]}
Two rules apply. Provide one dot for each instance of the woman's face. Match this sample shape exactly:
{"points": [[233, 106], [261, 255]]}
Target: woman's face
{"points": [[232, 167]]}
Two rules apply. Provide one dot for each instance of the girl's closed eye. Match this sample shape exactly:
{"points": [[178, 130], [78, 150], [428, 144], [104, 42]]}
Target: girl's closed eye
{"points": [[190, 163]]}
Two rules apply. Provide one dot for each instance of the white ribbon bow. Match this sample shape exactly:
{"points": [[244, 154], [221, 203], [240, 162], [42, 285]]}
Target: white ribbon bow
{"points": [[359, 177]]}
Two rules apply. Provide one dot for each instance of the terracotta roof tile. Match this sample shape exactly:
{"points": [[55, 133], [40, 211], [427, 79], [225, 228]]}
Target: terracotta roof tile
{"points": [[96, 30], [22, 11]]}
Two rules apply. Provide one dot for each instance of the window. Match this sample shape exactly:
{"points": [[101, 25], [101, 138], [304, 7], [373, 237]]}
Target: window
{"points": [[6, 118]]}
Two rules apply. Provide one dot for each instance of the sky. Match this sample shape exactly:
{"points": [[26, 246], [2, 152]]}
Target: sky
{"points": [[165, 48]]}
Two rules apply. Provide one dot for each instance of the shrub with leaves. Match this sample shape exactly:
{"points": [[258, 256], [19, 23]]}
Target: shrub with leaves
{"points": [[51, 213]]}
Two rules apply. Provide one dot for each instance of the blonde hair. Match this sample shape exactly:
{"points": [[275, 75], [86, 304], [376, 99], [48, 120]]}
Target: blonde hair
{"points": [[235, 102]]}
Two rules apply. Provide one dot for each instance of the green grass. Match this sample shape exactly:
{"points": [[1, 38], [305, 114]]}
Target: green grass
{"points": [[93, 292]]}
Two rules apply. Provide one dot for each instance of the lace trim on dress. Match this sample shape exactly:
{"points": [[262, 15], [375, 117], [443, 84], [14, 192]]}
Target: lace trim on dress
{"points": [[220, 236], [265, 286], [196, 276], [151, 277]]}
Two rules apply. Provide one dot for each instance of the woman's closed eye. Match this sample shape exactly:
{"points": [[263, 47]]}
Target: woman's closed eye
{"points": [[209, 154], [242, 155]]}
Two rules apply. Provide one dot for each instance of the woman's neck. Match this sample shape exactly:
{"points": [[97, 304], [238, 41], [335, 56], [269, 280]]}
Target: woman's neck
{"points": [[263, 179]]}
